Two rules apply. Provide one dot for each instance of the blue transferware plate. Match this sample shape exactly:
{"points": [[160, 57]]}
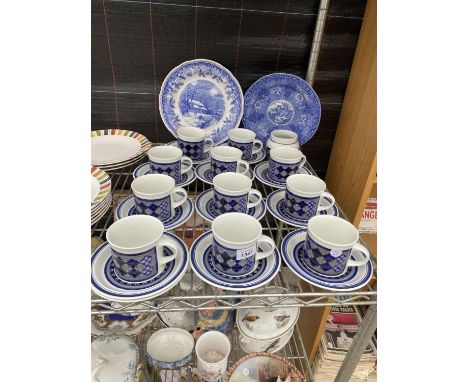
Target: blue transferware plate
{"points": [[353, 278], [204, 94], [281, 101]]}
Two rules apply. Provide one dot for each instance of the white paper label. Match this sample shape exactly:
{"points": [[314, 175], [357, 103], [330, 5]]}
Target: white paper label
{"points": [[336, 252], [244, 253]]}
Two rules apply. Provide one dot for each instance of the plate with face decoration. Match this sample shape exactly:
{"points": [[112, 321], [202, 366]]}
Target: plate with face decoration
{"points": [[204, 94]]}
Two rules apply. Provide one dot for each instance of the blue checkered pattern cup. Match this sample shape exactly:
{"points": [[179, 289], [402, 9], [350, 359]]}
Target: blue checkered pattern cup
{"points": [[168, 160], [329, 244], [227, 159], [244, 140], [193, 142], [285, 161], [137, 247], [305, 196], [233, 193], [237, 238], [157, 196]]}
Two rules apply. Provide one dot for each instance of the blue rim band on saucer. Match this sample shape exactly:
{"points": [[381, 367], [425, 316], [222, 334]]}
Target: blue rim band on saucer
{"points": [[227, 203], [171, 169], [300, 207], [280, 171], [204, 94], [353, 278], [194, 150], [204, 173], [207, 209], [281, 101], [158, 208], [123, 292], [186, 178], [224, 260], [264, 272], [262, 173], [181, 213]]}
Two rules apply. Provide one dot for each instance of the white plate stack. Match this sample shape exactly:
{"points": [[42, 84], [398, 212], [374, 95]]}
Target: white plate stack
{"points": [[101, 196]]}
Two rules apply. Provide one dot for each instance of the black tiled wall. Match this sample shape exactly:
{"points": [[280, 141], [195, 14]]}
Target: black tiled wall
{"points": [[250, 38]]}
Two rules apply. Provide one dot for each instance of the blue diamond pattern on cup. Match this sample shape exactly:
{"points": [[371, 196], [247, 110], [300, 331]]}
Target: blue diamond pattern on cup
{"points": [[299, 207], [194, 150], [159, 208], [225, 261], [136, 267], [246, 148], [218, 167], [171, 169], [319, 259], [280, 171], [226, 204]]}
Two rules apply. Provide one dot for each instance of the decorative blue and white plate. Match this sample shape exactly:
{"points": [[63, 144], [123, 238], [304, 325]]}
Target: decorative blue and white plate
{"points": [[106, 284], [262, 173], [281, 101], [206, 156], [201, 260], [275, 204], [204, 94], [144, 169], [353, 278], [256, 158], [181, 214], [204, 173], [205, 206]]}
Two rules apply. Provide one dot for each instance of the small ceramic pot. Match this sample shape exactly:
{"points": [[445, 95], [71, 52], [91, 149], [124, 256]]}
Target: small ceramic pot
{"points": [[170, 348], [208, 344], [250, 345], [183, 319], [220, 320], [282, 138]]}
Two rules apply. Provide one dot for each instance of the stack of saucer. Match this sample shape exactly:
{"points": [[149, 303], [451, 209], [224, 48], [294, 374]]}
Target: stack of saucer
{"points": [[101, 196], [112, 149]]}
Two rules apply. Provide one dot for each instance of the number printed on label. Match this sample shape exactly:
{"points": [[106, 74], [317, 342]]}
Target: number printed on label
{"points": [[336, 252], [244, 253]]}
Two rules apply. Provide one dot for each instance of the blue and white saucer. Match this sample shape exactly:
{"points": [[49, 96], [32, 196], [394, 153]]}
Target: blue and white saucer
{"points": [[106, 284], [144, 169], [275, 204], [181, 214], [204, 173], [353, 278], [262, 173], [205, 206], [206, 156], [201, 260]]}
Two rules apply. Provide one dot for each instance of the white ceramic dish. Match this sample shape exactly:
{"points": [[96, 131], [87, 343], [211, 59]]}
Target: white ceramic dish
{"points": [[170, 348], [250, 345]]}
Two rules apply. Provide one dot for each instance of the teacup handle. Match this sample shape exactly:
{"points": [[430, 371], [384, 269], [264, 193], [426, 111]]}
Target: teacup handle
{"points": [[178, 190], [244, 164], [209, 143], [303, 160], [269, 241], [257, 146], [187, 162], [330, 204], [257, 193], [364, 251], [163, 242]]}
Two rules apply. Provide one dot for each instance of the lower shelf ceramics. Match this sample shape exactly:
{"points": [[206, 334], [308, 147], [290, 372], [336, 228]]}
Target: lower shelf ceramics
{"points": [[204, 205], [201, 259], [262, 173], [181, 214], [275, 204], [204, 173], [353, 278], [106, 284], [144, 169]]}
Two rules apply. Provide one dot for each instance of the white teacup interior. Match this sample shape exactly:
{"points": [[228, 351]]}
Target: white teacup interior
{"points": [[226, 153], [243, 135], [152, 184], [135, 232], [170, 345], [236, 228], [190, 133], [232, 182], [332, 231], [165, 153], [212, 341], [285, 154], [284, 136], [305, 184]]}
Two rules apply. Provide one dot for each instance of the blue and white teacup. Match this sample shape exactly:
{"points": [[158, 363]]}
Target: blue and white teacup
{"points": [[304, 196], [137, 246], [329, 244], [236, 238], [233, 192], [227, 159], [169, 160], [244, 140], [285, 161], [155, 195], [193, 142]]}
